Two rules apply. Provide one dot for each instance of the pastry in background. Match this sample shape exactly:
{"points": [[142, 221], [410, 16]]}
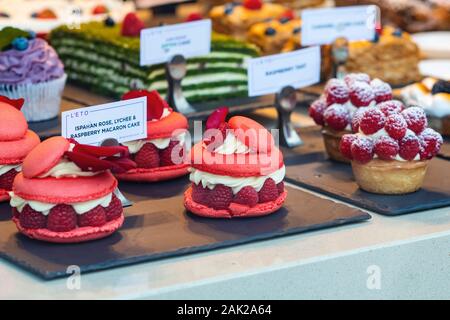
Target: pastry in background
{"points": [[300, 4], [433, 96], [392, 57]]}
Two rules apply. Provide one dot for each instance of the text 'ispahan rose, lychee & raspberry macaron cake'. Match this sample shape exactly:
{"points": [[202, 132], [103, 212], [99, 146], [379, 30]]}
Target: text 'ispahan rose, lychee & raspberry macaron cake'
{"points": [[236, 170], [16, 141], [335, 109], [65, 192], [161, 156], [391, 149]]}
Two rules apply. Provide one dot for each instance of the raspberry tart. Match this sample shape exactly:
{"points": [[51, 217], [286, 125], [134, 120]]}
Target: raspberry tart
{"points": [[16, 141], [161, 156], [65, 192], [336, 109], [391, 151], [237, 171]]}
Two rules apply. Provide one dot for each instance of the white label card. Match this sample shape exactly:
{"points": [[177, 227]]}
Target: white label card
{"points": [[323, 26], [270, 74], [124, 120], [191, 39]]}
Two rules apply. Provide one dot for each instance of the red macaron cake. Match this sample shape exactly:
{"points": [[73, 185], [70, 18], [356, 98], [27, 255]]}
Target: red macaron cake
{"points": [[161, 156], [236, 170], [65, 192], [16, 141]]}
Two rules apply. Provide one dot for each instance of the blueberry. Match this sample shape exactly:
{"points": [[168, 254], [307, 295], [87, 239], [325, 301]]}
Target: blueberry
{"points": [[4, 15], [376, 38], [31, 35], [109, 22], [270, 31], [441, 86], [297, 30], [284, 20], [34, 15], [20, 43], [229, 9], [397, 33]]}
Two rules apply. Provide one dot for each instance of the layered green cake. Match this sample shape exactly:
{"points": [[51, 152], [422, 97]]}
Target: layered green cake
{"points": [[99, 57]]}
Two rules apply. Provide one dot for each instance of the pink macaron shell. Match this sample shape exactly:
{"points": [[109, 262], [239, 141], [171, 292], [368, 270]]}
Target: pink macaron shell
{"points": [[77, 235], [13, 125], [234, 210], [64, 190], [14, 152], [236, 165], [165, 127], [258, 139], [154, 174], [4, 195], [45, 156]]}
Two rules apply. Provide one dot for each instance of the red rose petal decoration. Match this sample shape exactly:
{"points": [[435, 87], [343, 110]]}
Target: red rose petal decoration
{"points": [[16, 103], [101, 151], [155, 103], [87, 162], [121, 165], [132, 25], [216, 118]]}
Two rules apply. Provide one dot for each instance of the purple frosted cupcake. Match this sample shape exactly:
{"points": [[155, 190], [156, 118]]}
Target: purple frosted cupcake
{"points": [[31, 69]]}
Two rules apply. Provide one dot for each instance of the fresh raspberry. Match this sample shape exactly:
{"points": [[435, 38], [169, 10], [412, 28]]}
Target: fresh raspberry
{"points": [[409, 146], [415, 118], [224, 128], [94, 218], [336, 91], [362, 149], [372, 120], [247, 196], [269, 191], [165, 155], [391, 107], [62, 218], [430, 143], [356, 119], [32, 219], [346, 145], [355, 77], [316, 111], [386, 148], [7, 179], [132, 25], [382, 90], [396, 126], [147, 157], [361, 94], [212, 135], [280, 187], [115, 209], [200, 195], [221, 197], [337, 117], [253, 4]]}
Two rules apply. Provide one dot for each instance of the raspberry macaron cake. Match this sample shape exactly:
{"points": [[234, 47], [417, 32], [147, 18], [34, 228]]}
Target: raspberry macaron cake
{"points": [[161, 156], [336, 107], [16, 141], [236, 171], [65, 192], [392, 148]]}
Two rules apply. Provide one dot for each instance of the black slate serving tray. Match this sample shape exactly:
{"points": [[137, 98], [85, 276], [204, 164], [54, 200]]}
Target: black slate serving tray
{"points": [[157, 226], [315, 172]]}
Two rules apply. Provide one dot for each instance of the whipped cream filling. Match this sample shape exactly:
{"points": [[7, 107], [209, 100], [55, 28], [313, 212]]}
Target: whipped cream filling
{"points": [[382, 133], [209, 180], [7, 167], [231, 145], [67, 168], [163, 143], [437, 105], [44, 208]]}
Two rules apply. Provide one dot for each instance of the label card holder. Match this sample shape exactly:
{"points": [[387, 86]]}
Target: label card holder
{"points": [[124, 121]]}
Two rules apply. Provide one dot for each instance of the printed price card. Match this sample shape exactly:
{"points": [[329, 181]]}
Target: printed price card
{"points": [[270, 74], [191, 39], [323, 26], [124, 120]]}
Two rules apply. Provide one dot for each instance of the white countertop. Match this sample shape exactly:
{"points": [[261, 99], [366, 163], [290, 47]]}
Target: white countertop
{"points": [[407, 257]]}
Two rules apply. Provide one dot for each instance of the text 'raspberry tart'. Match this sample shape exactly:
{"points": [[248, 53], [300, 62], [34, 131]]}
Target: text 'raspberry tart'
{"points": [[236, 171], [161, 156], [16, 141], [65, 192], [338, 107], [391, 151]]}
